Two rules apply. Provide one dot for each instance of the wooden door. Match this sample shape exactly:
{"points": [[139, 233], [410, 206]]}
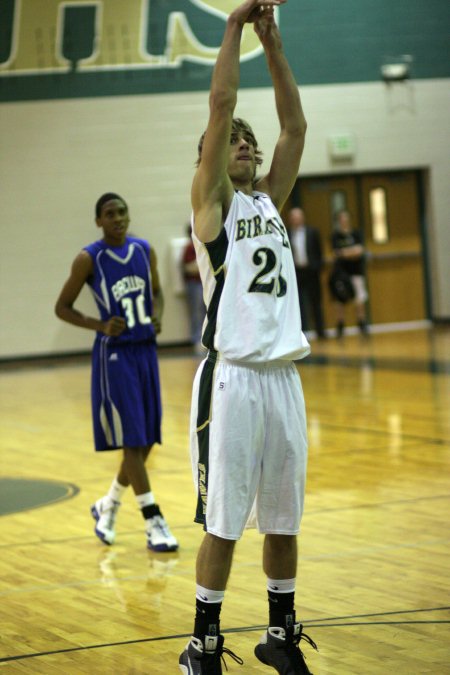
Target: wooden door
{"points": [[395, 270]]}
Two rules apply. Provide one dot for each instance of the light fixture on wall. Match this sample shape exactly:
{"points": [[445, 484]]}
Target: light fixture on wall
{"points": [[396, 68]]}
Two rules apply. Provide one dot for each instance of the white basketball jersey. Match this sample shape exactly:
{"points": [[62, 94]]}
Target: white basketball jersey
{"points": [[250, 287]]}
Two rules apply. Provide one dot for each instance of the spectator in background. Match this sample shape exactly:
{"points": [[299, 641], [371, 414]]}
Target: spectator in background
{"points": [[307, 251], [349, 255], [194, 292]]}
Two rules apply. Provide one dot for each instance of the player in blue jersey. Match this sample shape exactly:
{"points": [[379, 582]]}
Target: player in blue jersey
{"points": [[248, 421], [122, 274]]}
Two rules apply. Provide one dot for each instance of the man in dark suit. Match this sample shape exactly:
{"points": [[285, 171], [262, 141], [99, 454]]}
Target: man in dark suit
{"points": [[307, 252]]}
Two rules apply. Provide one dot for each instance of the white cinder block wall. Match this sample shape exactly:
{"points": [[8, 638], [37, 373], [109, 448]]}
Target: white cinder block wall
{"points": [[58, 156]]}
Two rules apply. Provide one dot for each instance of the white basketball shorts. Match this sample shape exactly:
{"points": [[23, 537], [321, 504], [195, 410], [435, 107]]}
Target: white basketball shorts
{"points": [[248, 447]]}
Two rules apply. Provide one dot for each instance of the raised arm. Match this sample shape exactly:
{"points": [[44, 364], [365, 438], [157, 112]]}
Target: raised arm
{"points": [[212, 189], [289, 148]]}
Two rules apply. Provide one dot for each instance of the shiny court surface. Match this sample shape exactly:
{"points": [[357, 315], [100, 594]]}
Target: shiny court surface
{"points": [[374, 570]]}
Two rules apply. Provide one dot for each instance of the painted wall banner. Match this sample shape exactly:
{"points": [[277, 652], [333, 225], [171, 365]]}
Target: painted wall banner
{"points": [[79, 48], [86, 37], [55, 36]]}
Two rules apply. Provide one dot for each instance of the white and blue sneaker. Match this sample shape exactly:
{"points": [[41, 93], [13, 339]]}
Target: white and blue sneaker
{"points": [[159, 536], [104, 512]]}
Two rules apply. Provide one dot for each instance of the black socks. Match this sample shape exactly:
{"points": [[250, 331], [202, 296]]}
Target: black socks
{"points": [[281, 609], [150, 511], [207, 621]]}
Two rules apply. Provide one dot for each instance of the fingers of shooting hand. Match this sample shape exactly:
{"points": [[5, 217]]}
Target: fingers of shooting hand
{"points": [[250, 10], [263, 10], [268, 5]]}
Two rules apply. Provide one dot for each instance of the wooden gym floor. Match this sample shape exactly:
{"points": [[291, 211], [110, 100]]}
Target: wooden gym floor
{"points": [[374, 570]]}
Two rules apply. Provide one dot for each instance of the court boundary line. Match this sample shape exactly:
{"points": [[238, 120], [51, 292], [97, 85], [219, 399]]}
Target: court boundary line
{"points": [[309, 623]]}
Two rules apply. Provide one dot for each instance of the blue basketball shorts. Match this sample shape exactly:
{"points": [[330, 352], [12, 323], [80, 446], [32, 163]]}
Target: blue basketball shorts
{"points": [[126, 396]]}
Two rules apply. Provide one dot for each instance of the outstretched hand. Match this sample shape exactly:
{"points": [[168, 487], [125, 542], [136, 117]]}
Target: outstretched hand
{"points": [[252, 11], [267, 30]]}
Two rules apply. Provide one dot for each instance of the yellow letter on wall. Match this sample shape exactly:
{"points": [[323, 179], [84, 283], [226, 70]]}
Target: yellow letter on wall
{"points": [[120, 36], [38, 36], [182, 44]]}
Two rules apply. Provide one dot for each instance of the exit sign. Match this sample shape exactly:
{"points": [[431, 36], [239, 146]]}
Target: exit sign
{"points": [[342, 146]]}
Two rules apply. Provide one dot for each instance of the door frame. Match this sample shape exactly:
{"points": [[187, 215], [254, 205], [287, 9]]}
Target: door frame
{"points": [[421, 176]]}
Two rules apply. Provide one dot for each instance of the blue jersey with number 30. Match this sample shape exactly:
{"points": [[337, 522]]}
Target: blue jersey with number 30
{"points": [[121, 285]]}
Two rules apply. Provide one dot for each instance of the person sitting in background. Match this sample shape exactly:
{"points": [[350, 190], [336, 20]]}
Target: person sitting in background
{"points": [[349, 255]]}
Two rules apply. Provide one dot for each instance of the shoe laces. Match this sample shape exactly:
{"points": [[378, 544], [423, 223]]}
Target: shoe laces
{"points": [[293, 641], [232, 655], [110, 513], [158, 523], [307, 639], [219, 654]]}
